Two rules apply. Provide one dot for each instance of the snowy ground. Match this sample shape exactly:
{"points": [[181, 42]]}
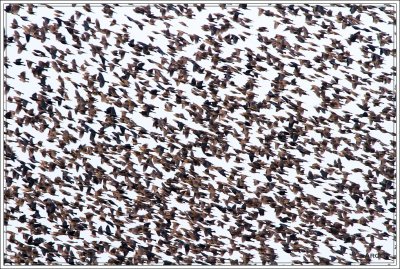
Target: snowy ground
{"points": [[264, 215]]}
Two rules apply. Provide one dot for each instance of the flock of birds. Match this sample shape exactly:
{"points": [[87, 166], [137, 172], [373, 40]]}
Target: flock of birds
{"points": [[199, 134]]}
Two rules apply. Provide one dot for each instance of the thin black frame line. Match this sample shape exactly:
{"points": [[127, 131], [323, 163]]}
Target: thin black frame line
{"points": [[216, 2], [194, 4], [394, 120], [289, 264], [5, 134], [193, 265], [395, 117], [206, 4], [394, 101], [206, 1]]}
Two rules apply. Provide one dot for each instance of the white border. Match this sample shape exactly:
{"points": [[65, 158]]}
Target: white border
{"points": [[4, 3]]}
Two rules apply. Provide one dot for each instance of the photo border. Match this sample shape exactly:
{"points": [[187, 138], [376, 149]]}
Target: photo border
{"points": [[3, 103]]}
